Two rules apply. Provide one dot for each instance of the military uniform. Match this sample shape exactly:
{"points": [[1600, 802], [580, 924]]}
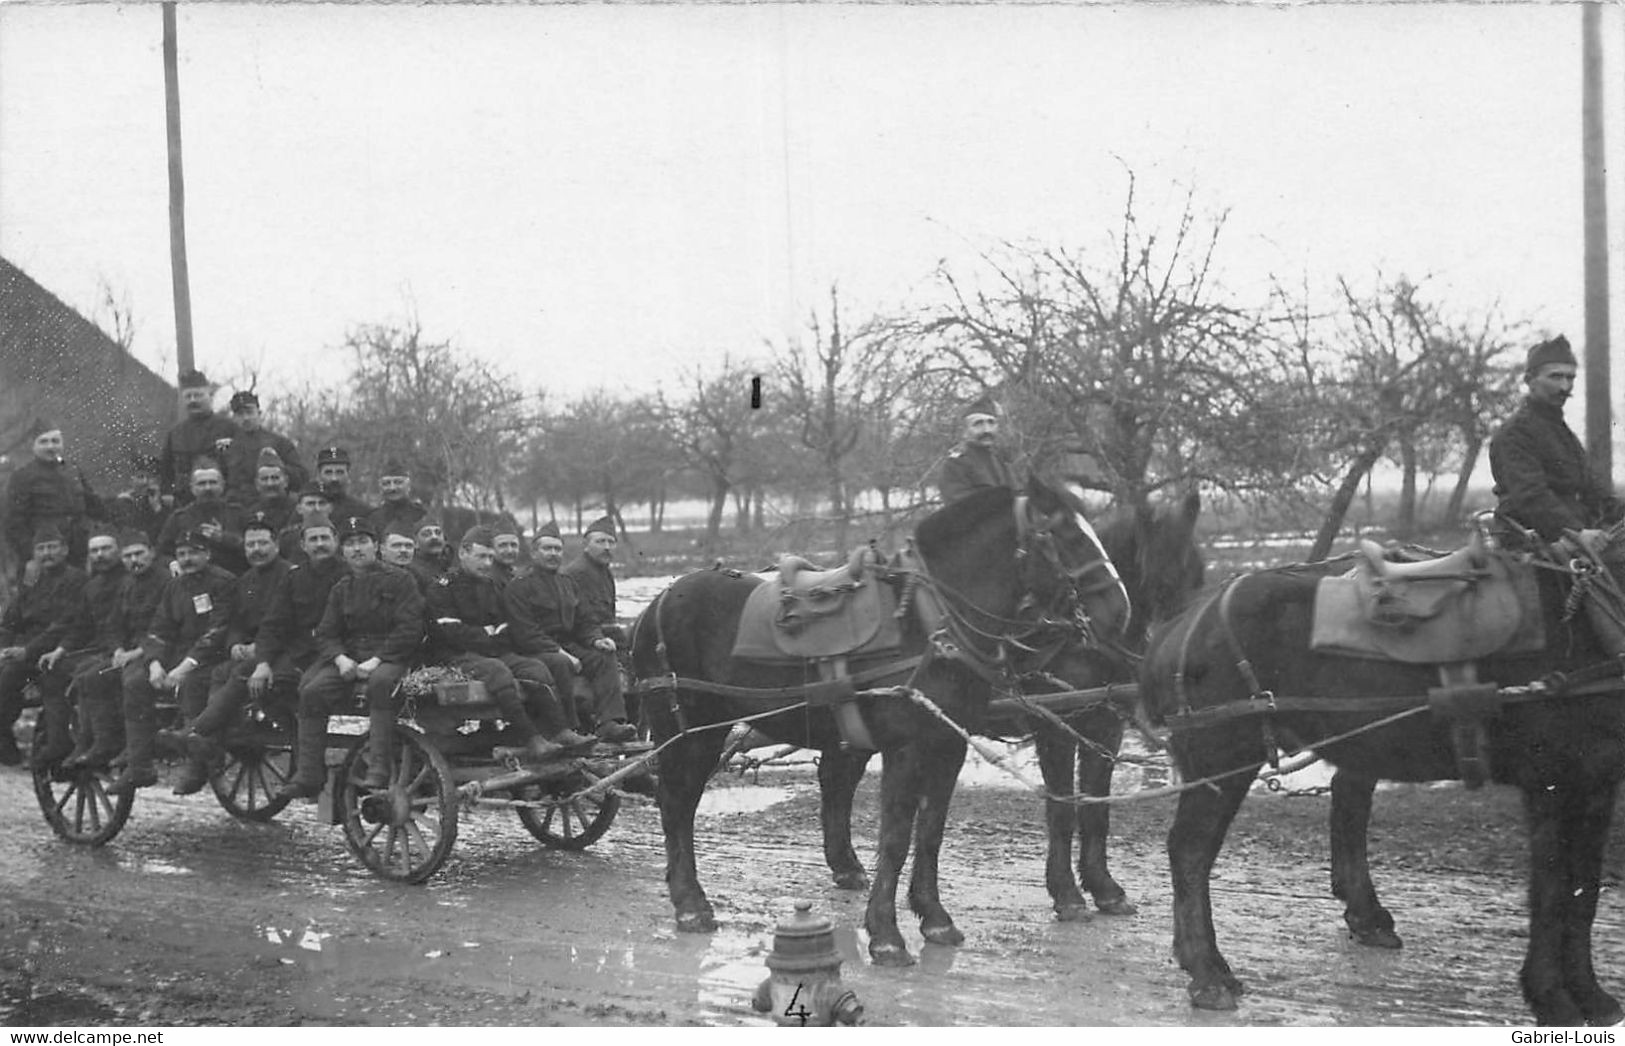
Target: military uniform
{"points": [[429, 568], [549, 619], [1542, 476], [254, 591], [241, 463], [971, 467], [276, 509], [374, 612], [53, 493], [212, 434], [595, 592], [226, 550], [405, 512], [87, 642], [36, 619]]}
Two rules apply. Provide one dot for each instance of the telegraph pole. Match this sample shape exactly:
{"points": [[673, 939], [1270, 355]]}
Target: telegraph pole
{"points": [[177, 199], [1599, 413]]}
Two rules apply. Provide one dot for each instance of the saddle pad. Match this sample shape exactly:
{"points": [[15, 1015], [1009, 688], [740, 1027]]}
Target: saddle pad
{"points": [[1498, 615], [857, 622]]}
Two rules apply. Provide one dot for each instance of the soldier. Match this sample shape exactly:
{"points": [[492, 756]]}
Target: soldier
{"points": [[81, 659], [272, 500], [185, 642], [242, 460], [209, 516], [333, 472], [549, 624], [201, 432], [228, 683], [286, 646], [1542, 476], [141, 507], [312, 504], [137, 601], [432, 558], [396, 487], [468, 628], [369, 633], [49, 490], [399, 546], [32, 624], [976, 462], [594, 581], [510, 542]]}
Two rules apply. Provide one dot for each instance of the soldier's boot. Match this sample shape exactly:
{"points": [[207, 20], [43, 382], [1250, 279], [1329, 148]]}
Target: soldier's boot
{"points": [[84, 737], [138, 771], [193, 777], [55, 716], [552, 723], [105, 729], [380, 738], [309, 760], [532, 745]]}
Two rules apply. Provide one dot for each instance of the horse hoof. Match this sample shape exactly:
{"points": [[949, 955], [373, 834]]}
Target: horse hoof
{"points": [[890, 955], [851, 881], [1601, 1010], [1213, 997], [1117, 906], [1073, 913], [1377, 937], [696, 922], [948, 935]]}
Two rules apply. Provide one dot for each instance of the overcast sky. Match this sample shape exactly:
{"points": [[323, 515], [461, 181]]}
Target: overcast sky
{"points": [[591, 194]]}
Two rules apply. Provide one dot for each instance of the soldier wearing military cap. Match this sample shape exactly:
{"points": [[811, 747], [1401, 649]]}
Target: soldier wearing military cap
{"points": [[1542, 476], [210, 516], [82, 657], [370, 632], [32, 625], [395, 485], [273, 500], [595, 580], [138, 596], [141, 506], [228, 683], [552, 622], [976, 462], [49, 489], [200, 432], [333, 472], [186, 640], [509, 548], [432, 558], [311, 504], [244, 457]]}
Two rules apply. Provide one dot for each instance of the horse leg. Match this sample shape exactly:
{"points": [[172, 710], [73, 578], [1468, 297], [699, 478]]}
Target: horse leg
{"points": [[684, 769], [1201, 820], [838, 775], [1368, 921], [938, 777], [1586, 830], [899, 799], [1543, 977], [1055, 754], [1095, 768]]}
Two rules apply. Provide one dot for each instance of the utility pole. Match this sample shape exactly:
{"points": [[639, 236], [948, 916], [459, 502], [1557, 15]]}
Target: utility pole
{"points": [[1599, 412], [177, 199]]}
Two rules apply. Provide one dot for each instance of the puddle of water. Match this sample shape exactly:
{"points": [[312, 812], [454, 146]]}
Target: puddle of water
{"points": [[155, 866], [743, 799], [309, 939]]}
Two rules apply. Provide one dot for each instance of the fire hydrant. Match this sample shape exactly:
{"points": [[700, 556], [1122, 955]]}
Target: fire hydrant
{"points": [[804, 987]]}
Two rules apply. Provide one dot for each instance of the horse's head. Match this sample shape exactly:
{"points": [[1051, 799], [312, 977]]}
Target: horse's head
{"points": [[1066, 566], [1155, 551]]}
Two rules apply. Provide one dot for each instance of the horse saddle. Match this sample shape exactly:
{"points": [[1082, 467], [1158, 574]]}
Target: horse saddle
{"points": [[801, 613], [1462, 606]]}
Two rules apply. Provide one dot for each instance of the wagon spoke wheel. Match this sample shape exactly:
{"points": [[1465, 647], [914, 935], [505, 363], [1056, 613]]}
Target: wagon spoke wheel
{"points": [[567, 823], [404, 832], [254, 768], [75, 802]]}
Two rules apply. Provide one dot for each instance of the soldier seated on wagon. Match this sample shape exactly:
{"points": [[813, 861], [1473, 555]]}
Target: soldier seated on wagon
{"points": [[81, 658], [31, 626]]}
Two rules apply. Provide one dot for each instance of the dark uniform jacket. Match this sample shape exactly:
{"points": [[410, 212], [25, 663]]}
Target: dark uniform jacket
{"points": [[277, 509], [96, 622], [255, 589], [545, 611], [297, 605], [242, 463], [461, 605], [191, 618], [211, 435], [39, 616], [595, 590], [970, 467], [374, 612], [343, 507], [1542, 477], [225, 551], [391, 512], [430, 569], [48, 492], [136, 510], [137, 603]]}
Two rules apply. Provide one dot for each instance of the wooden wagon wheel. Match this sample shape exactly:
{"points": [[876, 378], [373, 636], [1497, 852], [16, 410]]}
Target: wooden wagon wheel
{"points": [[75, 802], [566, 823], [255, 767], [404, 832]]}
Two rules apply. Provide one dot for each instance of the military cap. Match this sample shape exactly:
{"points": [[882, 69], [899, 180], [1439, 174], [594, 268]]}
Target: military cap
{"points": [[47, 532], [40, 426], [133, 536], [1554, 351], [981, 405], [393, 467], [190, 538], [194, 379], [241, 401], [314, 489], [479, 535], [102, 530], [259, 521], [402, 528], [315, 521], [507, 526], [205, 461], [550, 529], [432, 519], [356, 526], [332, 456], [270, 459], [601, 525]]}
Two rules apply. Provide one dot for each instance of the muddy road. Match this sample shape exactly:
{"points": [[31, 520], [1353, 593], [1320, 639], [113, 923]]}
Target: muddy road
{"points": [[190, 917]]}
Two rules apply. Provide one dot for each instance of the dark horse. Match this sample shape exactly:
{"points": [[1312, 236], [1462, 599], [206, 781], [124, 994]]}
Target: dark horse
{"points": [[985, 563], [1566, 754]]}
